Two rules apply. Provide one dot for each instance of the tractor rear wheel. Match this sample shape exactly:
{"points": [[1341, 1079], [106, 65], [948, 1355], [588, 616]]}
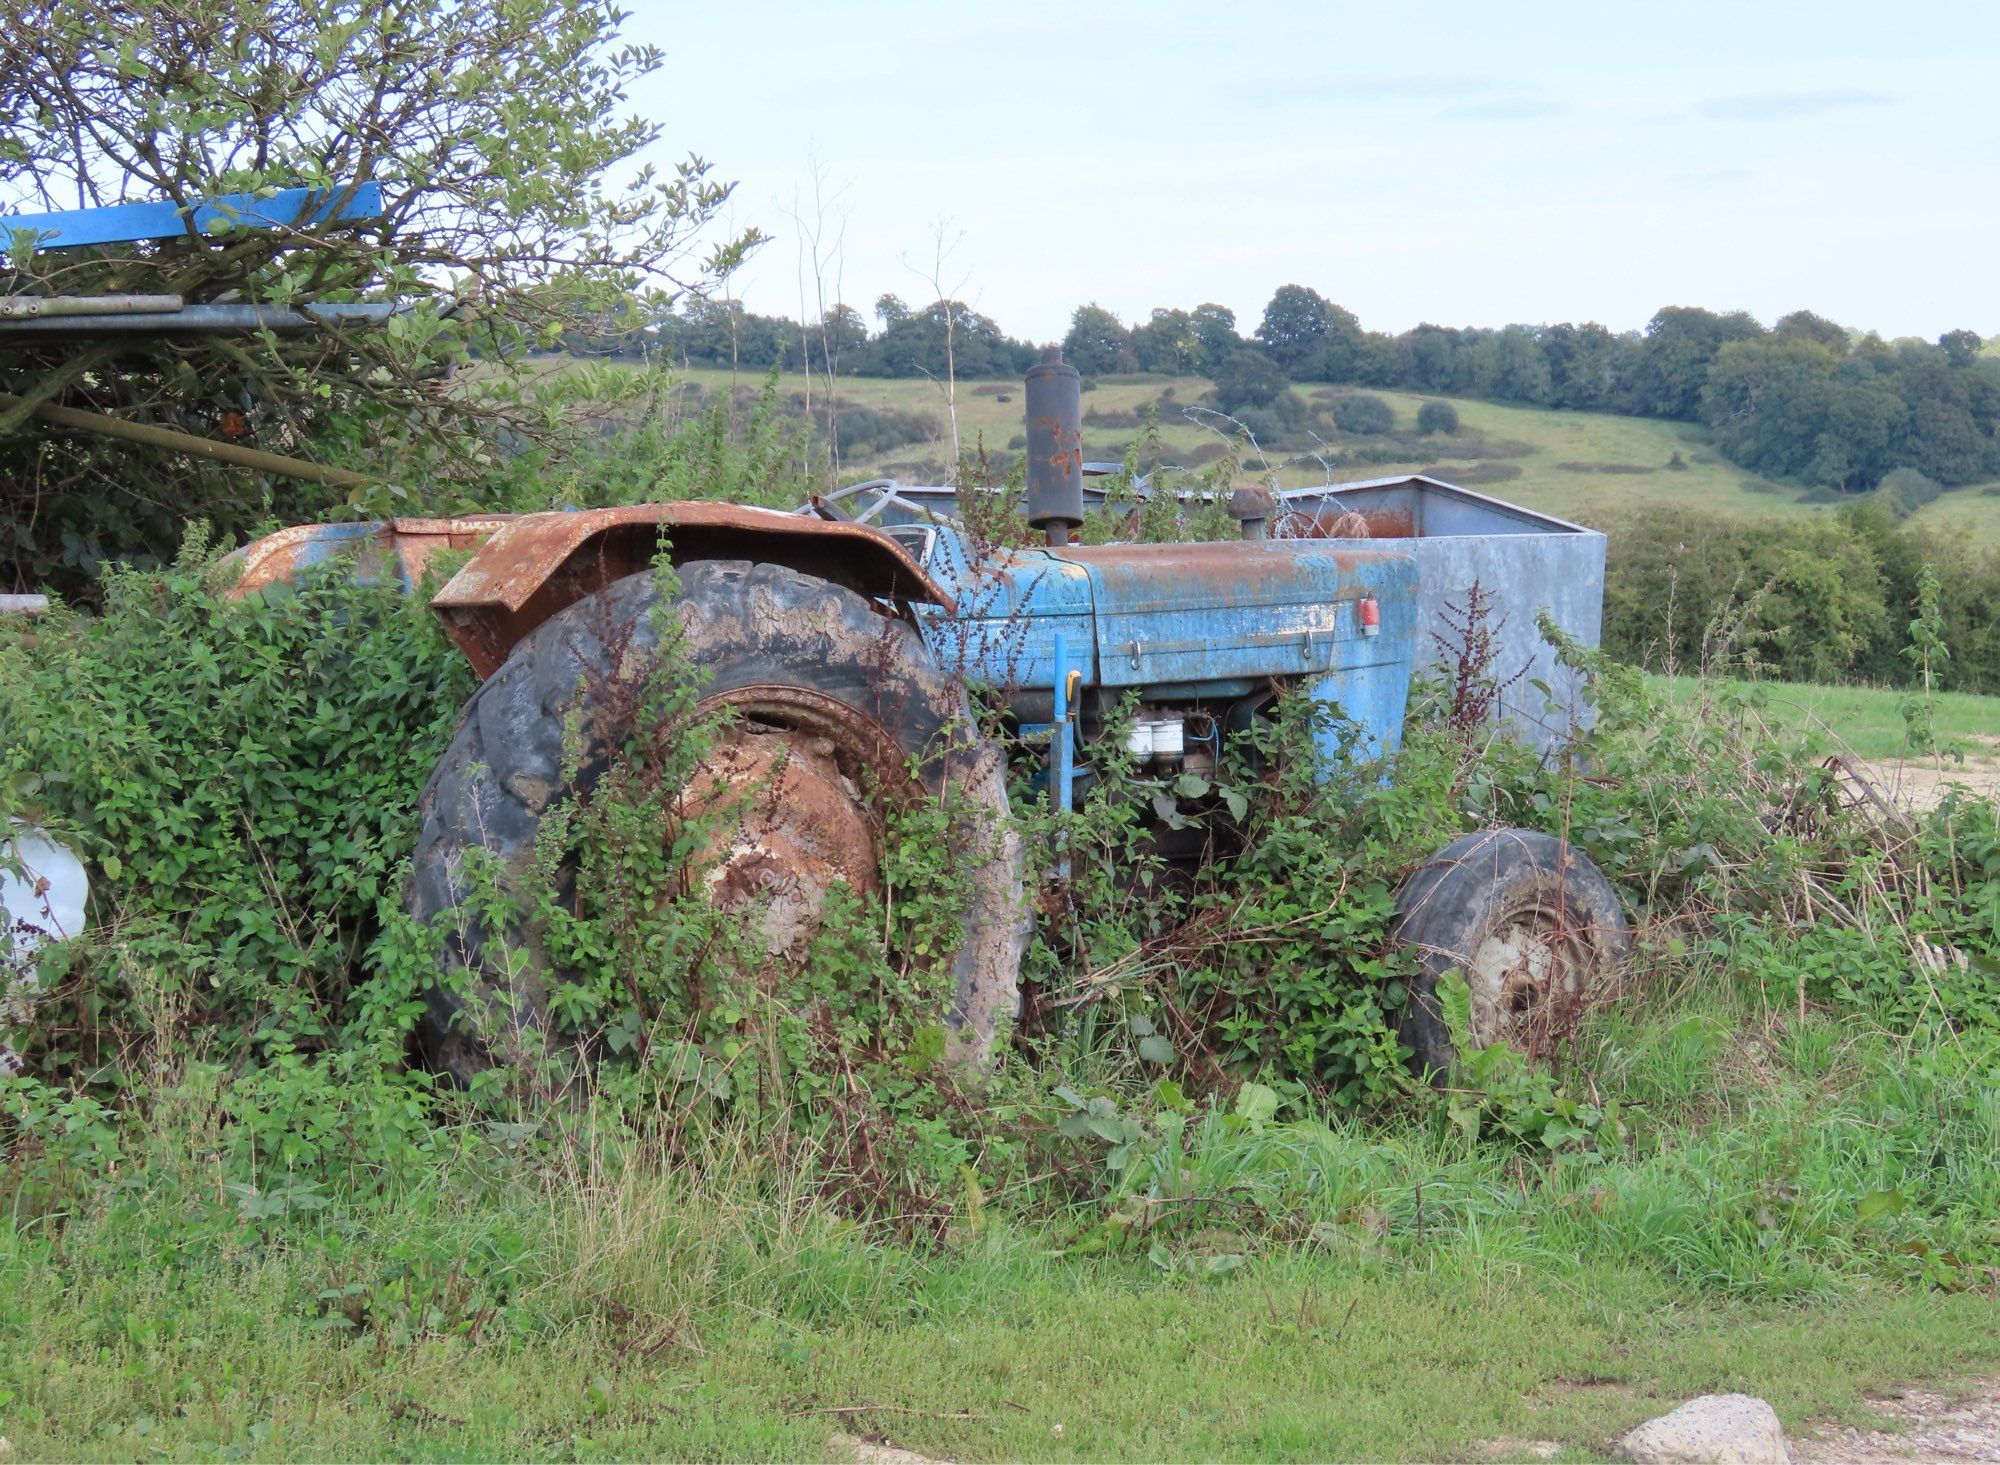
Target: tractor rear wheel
{"points": [[831, 703], [1533, 925]]}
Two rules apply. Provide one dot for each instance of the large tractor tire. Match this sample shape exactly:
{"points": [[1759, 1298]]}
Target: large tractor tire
{"points": [[1533, 925], [830, 698]]}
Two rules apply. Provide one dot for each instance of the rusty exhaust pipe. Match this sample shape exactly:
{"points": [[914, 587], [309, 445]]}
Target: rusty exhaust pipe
{"points": [[1054, 400]]}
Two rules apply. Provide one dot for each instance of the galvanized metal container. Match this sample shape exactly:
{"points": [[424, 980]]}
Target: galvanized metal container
{"points": [[1525, 563]]}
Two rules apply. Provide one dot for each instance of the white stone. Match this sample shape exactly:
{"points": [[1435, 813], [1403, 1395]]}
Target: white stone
{"points": [[1715, 1429]]}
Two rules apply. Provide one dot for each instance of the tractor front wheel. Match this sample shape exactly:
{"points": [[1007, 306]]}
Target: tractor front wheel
{"points": [[1532, 924]]}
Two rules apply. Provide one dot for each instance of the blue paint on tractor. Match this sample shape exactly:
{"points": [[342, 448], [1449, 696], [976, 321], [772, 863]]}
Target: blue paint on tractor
{"points": [[1191, 630], [1527, 564]]}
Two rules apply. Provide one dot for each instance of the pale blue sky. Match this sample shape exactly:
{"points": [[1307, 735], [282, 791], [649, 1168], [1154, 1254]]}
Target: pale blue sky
{"points": [[1465, 163]]}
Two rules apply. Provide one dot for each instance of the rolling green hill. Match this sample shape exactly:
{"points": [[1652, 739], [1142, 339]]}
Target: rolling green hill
{"points": [[1583, 466]]}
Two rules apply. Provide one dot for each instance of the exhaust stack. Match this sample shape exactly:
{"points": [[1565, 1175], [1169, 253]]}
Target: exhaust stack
{"points": [[1054, 400]]}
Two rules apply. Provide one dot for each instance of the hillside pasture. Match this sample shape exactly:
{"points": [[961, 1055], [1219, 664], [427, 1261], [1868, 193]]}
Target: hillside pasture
{"points": [[1589, 467]]}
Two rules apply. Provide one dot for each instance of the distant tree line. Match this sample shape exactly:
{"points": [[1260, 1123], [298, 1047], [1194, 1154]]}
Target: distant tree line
{"points": [[1801, 400], [906, 343], [1804, 399], [1824, 598]]}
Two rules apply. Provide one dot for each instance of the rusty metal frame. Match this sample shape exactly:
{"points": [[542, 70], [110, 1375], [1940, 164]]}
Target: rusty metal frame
{"points": [[530, 567], [404, 547], [526, 567]]}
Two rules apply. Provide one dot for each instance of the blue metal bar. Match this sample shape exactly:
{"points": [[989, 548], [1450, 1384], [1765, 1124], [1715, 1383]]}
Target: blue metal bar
{"points": [[1062, 747], [128, 223]]}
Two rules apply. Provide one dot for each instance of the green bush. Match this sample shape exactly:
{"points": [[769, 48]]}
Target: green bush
{"points": [[1363, 414], [1248, 378], [1905, 490], [868, 431], [1827, 599], [1437, 417], [242, 776]]}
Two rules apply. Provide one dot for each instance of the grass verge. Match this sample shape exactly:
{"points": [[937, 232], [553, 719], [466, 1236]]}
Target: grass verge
{"points": [[1004, 1354], [1868, 721], [1433, 1297]]}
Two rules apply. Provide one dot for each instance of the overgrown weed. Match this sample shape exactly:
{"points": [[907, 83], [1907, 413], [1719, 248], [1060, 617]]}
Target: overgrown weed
{"points": [[220, 1128]]}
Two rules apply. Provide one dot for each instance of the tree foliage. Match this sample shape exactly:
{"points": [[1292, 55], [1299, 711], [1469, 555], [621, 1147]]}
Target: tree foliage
{"points": [[1789, 405], [1670, 368], [1246, 378], [703, 331], [1823, 599], [513, 213], [1098, 343], [1294, 324]]}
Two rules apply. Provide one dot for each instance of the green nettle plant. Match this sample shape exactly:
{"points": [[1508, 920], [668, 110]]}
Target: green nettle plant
{"points": [[1926, 654], [514, 212], [241, 776]]}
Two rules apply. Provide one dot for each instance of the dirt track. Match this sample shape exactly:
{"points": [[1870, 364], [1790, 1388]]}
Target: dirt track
{"points": [[1963, 1424], [1922, 784]]}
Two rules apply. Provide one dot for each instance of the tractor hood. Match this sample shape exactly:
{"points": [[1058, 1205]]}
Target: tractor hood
{"points": [[1174, 615], [1196, 613]]}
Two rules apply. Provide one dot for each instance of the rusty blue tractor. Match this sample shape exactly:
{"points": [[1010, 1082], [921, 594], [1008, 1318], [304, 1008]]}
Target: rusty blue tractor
{"points": [[844, 652]]}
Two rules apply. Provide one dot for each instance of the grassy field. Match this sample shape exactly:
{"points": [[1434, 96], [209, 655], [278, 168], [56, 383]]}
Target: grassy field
{"points": [[1441, 1300], [1579, 465], [1867, 721], [1010, 1355]]}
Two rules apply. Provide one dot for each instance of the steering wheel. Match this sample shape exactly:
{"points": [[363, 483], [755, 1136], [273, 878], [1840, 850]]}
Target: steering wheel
{"points": [[840, 503]]}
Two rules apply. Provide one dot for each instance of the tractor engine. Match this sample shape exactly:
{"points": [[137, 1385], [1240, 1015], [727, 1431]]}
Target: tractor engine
{"points": [[1201, 636]]}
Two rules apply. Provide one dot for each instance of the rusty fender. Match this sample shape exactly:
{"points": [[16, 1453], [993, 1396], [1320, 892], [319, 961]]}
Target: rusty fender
{"points": [[526, 567]]}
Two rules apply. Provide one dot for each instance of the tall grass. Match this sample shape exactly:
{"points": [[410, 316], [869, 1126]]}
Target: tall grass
{"points": [[606, 1298]]}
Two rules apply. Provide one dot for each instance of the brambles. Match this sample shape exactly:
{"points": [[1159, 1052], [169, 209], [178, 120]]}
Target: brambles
{"points": [[241, 777]]}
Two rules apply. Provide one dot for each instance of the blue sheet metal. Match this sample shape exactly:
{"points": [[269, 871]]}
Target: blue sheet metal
{"points": [[1062, 742], [1190, 614], [1526, 564], [130, 223], [1187, 622], [1009, 606]]}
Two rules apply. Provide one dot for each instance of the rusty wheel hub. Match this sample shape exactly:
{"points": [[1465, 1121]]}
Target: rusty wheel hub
{"points": [[790, 782], [1527, 981]]}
